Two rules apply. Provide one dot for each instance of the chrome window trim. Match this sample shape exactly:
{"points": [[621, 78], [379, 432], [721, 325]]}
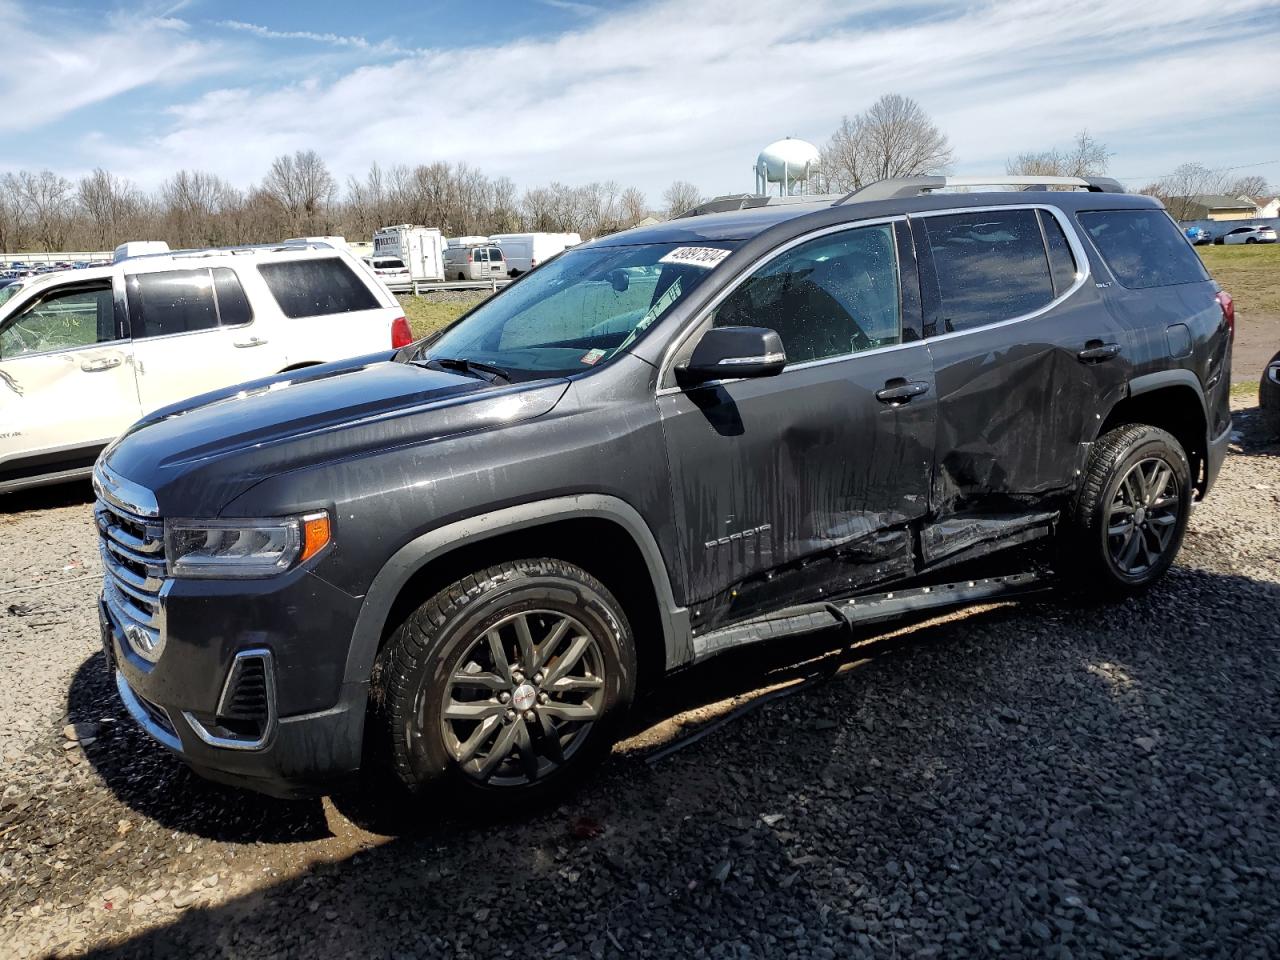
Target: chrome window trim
{"points": [[1083, 269], [664, 368], [1083, 273]]}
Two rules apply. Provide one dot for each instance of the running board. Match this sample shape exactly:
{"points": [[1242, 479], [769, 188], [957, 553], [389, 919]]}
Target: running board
{"points": [[870, 608]]}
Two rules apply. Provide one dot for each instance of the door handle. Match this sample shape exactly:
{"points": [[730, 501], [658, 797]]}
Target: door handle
{"points": [[899, 391], [251, 342], [1095, 351], [98, 364]]}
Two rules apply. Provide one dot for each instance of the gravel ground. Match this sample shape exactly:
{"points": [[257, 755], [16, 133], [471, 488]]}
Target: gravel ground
{"points": [[1039, 779]]}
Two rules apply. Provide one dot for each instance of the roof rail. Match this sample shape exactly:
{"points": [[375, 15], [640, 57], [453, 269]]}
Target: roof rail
{"points": [[749, 201], [898, 188]]}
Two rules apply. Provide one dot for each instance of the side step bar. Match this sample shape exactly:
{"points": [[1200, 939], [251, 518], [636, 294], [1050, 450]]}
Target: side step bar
{"points": [[870, 608]]}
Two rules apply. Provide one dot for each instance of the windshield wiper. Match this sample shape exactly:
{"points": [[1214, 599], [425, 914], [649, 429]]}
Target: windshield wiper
{"points": [[473, 367]]}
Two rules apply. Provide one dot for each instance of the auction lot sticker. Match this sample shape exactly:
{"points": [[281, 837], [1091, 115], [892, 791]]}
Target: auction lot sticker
{"points": [[706, 257]]}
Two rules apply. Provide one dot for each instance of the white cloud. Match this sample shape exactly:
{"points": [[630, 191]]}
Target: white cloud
{"points": [[671, 90], [330, 39], [48, 71]]}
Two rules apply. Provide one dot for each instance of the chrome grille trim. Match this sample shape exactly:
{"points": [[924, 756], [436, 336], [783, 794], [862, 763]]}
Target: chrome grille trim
{"points": [[131, 546]]}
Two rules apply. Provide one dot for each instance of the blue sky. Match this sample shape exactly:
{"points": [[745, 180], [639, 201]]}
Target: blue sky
{"points": [[638, 92]]}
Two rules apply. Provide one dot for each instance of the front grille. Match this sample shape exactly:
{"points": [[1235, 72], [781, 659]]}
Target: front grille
{"points": [[133, 561]]}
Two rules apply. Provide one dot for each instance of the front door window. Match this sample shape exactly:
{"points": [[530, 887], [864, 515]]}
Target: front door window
{"points": [[62, 320]]}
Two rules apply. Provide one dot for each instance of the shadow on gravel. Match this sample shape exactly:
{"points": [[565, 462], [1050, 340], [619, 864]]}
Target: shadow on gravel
{"points": [[157, 785], [46, 498], [1030, 777]]}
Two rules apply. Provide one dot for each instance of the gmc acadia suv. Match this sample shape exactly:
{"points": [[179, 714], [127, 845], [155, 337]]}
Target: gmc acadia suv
{"points": [[458, 561]]}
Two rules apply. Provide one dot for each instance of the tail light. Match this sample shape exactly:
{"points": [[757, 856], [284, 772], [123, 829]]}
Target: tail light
{"points": [[1228, 312], [401, 335]]}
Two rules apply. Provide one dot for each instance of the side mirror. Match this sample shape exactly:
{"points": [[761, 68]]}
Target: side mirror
{"points": [[727, 353], [619, 280]]}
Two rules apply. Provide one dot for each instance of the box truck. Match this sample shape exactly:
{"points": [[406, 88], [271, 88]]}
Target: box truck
{"points": [[420, 249]]}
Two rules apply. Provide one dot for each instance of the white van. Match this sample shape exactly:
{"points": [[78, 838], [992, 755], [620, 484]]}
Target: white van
{"points": [[524, 251], [84, 353], [474, 263]]}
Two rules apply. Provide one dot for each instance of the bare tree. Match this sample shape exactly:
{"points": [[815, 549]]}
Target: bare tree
{"points": [[1180, 191], [112, 206], [1086, 157], [633, 207], [894, 138], [303, 188], [1254, 187], [192, 201], [679, 197], [45, 201]]}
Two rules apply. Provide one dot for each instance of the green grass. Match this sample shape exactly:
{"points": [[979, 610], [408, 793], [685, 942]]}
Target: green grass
{"points": [[1249, 272], [428, 314]]}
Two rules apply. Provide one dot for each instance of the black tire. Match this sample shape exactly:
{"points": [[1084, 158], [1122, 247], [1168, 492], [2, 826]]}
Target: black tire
{"points": [[416, 682], [461, 277], [1251, 240], [1269, 396], [1117, 564]]}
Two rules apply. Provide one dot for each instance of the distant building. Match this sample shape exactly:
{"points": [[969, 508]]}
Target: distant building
{"points": [[1268, 208], [1208, 206]]}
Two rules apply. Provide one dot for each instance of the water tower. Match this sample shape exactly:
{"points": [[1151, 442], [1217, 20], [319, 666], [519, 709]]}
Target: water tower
{"points": [[789, 163]]}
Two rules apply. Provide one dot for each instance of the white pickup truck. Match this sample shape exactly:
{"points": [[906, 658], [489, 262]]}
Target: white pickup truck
{"points": [[84, 353]]}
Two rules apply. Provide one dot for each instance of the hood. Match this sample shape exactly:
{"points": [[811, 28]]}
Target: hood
{"points": [[197, 455]]}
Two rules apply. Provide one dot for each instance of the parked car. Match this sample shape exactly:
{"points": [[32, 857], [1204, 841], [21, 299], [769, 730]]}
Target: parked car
{"points": [[391, 271], [83, 354], [1199, 236], [1248, 235], [474, 263], [1269, 395], [674, 441], [524, 251]]}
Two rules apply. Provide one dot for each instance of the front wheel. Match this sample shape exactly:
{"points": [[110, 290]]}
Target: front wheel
{"points": [[507, 684], [1132, 511]]}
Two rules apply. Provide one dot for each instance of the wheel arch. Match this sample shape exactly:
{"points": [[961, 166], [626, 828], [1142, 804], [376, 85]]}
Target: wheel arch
{"points": [[602, 534], [1174, 401]]}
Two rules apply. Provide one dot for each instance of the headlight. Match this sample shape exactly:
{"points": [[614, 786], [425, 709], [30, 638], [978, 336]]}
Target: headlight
{"points": [[242, 547]]}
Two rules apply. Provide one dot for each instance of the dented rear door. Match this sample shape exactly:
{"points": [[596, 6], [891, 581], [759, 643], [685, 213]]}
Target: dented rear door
{"points": [[1027, 360]]}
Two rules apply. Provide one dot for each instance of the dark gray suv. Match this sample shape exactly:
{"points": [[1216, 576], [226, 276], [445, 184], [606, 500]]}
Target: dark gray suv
{"points": [[458, 562]]}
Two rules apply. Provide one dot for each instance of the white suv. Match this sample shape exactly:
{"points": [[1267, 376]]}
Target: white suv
{"points": [[85, 353]]}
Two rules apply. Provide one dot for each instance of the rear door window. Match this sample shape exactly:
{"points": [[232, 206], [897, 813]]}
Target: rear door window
{"points": [[171, 301], [1143, 248], [989, 266], [317, 287]]}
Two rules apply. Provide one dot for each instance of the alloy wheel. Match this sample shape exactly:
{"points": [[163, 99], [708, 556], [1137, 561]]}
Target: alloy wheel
{"points": [[523, 697], [1143, 516]]}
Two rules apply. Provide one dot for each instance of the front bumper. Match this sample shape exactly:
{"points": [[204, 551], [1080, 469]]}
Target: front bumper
{"points": [[300, 628]]}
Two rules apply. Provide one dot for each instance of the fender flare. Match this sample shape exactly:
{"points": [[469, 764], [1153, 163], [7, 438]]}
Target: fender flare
{"points": [[1170, 378], [430, 546]]}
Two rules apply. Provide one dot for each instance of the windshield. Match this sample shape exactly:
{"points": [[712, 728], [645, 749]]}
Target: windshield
{"points": [[578, 310], [8, 291]]}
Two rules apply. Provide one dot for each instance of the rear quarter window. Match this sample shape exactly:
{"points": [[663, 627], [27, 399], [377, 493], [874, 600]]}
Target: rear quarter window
{"points": [[314, 288], [1143, 248]]}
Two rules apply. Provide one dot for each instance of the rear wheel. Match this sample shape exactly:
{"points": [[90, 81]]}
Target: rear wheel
{"points": [[507, 684], [1251, 240], [1132, 511]]}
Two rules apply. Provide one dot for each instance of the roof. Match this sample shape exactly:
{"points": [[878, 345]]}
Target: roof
{"points": [[1218, 201], [745, 224]]}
